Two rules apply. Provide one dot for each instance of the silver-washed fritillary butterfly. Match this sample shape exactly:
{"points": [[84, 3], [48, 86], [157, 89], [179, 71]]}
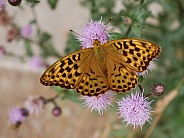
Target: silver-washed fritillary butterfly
{"points": [[111, 66]]}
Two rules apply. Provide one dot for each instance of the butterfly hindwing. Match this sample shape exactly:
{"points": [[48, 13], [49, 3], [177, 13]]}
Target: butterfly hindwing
{"points": [[121, 78], [94, 82]]}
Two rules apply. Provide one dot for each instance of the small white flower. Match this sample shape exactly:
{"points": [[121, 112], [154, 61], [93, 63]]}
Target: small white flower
{"points": [[34, 105]]}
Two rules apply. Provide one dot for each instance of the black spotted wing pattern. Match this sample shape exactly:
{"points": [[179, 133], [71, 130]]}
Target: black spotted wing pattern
{"points": [[67, 72], [111, 66], [121, 78], [94, 82], [134, 53]]}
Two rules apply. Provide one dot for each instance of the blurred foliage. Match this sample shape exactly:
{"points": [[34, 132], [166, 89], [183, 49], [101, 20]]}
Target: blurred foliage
{"points": [[52, 3]]}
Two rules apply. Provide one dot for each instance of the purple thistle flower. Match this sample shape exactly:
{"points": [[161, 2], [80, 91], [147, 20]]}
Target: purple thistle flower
{"points": [[36, 62], [2, 3], [16, 115], [26, 31], [135, 109], [99, 103], [91, 31]]}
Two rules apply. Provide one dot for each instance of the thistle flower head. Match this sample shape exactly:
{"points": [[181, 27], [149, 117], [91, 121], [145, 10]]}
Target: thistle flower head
{"points": [[11, 34], [99, 103], [36, 62], [26, 31], [135, 109], [4, 18], [17, 115], [2, 3], [93, 30], [34, 104]]}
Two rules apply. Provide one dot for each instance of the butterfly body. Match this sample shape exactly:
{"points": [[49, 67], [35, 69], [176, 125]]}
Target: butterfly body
{"points": [[110, 66]]}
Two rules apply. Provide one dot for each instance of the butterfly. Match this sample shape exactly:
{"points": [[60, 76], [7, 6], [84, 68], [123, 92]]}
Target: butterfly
{"points": [[110, 66]]}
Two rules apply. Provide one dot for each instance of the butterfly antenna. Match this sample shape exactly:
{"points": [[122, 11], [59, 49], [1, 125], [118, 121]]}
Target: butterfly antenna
{"points": [[79, 34], [108, 22], [106, 26]]}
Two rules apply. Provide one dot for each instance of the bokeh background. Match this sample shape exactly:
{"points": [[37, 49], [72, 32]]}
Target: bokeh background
{"points": [[18, 79]]}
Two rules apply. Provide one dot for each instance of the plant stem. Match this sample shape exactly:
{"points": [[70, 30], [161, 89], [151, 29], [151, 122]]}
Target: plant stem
{"points": [[35, 16], [127, 32], [162, 105]]}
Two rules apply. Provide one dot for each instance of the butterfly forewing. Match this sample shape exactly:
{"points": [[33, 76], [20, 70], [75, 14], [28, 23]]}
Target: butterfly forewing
{"points": [[67, 72], [135, 54]]}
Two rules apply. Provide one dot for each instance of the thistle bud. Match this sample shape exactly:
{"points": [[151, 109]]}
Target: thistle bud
{"points": [[128, 20], [24, 112], [157, 90], [14, 2], [56, 111]]}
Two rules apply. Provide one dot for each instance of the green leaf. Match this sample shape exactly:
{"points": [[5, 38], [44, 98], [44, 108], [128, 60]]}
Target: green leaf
{"points": [[136, 29], [33, 1], [140, 79], [32, 21], [72, 96], [116, 36], [52, 3], [67, 94], [45, 37], [28, 48]]}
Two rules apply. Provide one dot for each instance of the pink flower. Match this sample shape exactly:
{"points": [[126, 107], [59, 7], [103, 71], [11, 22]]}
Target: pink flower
{"points": [[17, 115], [26, 31], [93, 30], [11, 34], [4, 18], [2, 3], [99, 103], [2, 50], [135, 109], [36, 62], [34, 104]]}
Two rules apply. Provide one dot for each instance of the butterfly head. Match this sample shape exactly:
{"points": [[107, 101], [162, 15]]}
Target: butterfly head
{"points": [[96, 44]]}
